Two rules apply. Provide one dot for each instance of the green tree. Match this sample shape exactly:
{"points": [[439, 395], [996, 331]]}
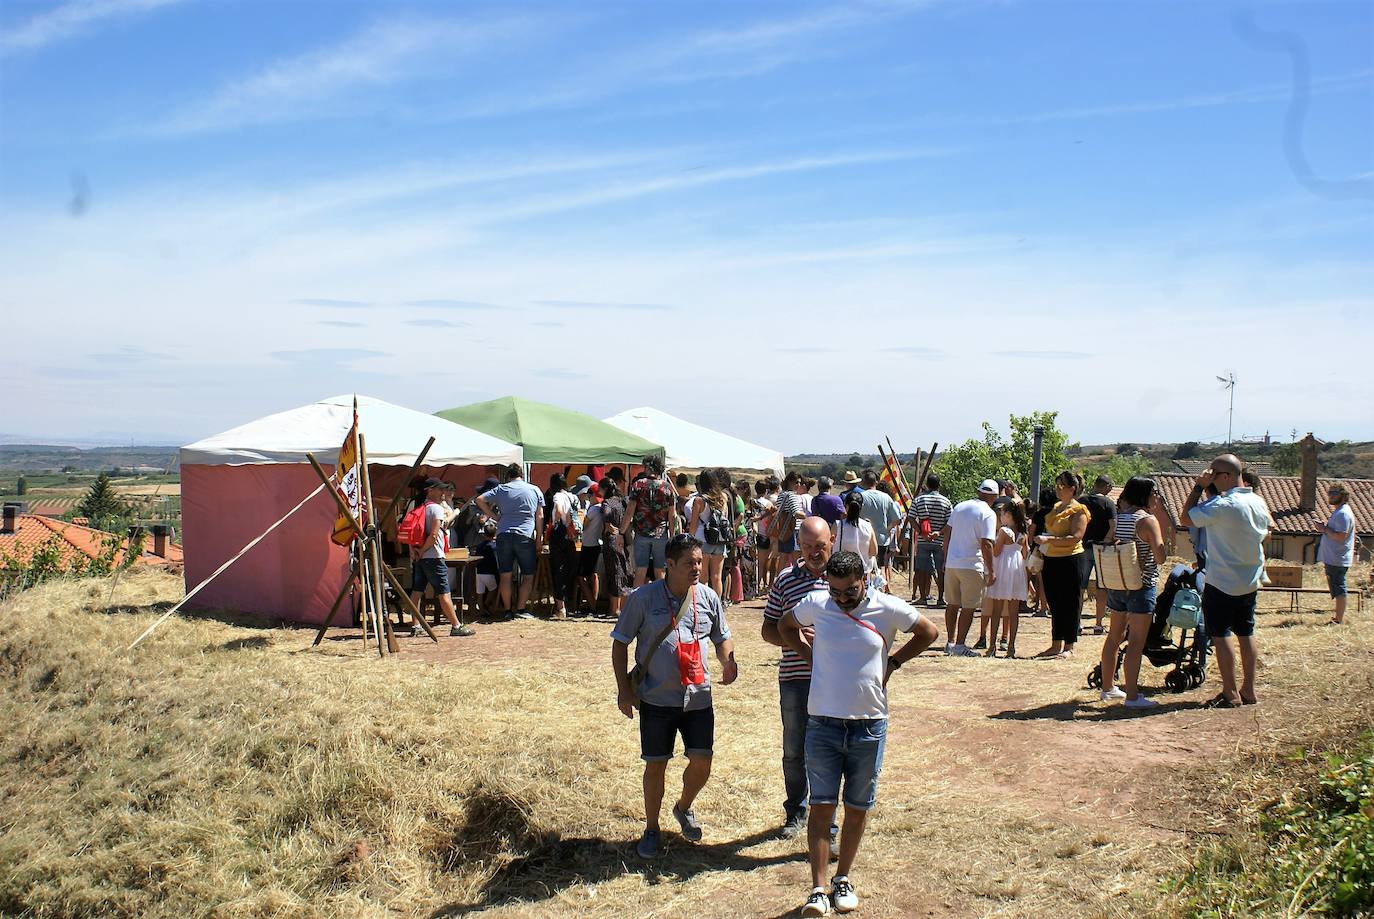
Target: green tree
{"points": [[1118, 468], [101, 503], [1126, 449], [992, 456], [21, 486], [1188, 450], [1287, 459], [855, 461]]}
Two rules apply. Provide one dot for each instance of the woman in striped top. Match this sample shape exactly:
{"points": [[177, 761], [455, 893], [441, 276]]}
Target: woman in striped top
{"points": [[1132, 610]]}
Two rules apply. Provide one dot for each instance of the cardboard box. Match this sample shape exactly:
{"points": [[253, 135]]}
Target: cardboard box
{"points": [[1284, 575]]}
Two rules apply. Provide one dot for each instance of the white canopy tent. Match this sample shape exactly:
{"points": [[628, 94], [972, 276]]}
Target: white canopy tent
{"points": [[236, 484], [394, 436], [691, 446]]}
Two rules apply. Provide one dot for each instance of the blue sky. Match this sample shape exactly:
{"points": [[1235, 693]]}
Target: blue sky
{"points": [[805, 224]]}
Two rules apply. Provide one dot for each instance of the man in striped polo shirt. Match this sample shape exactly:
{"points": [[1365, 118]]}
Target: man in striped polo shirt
{"points": [[794, 675], [935, 508]]}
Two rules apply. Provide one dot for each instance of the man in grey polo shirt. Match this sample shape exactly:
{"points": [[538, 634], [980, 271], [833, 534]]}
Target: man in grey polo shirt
{"points": [[675, 696]]}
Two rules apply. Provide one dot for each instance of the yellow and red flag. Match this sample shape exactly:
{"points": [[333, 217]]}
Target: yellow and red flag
{"points": [[893, 477], [347, 481]]}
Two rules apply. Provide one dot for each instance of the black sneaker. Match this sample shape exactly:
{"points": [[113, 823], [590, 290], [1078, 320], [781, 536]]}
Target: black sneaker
{"points": [[524, 614], [461, 631], [818, 904], [982, 645], [794, 826], [647, 847]]}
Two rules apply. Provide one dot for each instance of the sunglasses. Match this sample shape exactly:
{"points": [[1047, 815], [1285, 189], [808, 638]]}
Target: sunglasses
{"points": [[855, 591]]}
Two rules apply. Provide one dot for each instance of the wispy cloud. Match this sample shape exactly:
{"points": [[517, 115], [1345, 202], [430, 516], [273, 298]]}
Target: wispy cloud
{"points": [[327, 357], [451, 304], [1045, 355], [807, 350], [329, 303], [919, 353], [436, 323], [70, 20], [382, 54], [342, 324], [129, 355], [601, 305]]}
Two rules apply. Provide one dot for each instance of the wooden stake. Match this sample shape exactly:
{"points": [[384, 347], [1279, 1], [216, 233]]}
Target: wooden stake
{"points": [[329, 620], [410, 606], [372, 546], [389, 525]]}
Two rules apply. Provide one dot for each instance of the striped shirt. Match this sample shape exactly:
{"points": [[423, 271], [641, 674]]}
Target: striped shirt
{"points": [[789, 505], [934, 507], [1124, 532], [789, 588]]}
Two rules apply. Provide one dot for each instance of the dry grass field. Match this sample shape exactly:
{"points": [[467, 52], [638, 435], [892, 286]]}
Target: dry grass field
{"points": [[224, 768]]}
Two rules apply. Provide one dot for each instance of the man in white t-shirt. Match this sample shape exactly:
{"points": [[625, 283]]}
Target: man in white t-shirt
{"points": [[430, 568], [968, 563], [846, 730]]}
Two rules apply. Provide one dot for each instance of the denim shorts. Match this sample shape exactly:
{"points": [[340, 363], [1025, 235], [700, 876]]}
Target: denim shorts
{"points": [[1224, 614], [657, 546], [787, 544], [513, 548], [929, 557], [1335, 579], [659, 727], [429, 572], [852, 748], [1131, 601], [713, 548]]}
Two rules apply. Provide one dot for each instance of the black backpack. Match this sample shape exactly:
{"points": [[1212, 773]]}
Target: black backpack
{"points": [[716, 525]]}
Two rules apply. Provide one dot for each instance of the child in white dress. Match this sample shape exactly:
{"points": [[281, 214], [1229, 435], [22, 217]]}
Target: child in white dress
{"points": [[1008, 592]]}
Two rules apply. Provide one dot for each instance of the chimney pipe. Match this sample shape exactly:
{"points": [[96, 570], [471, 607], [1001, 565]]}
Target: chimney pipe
{"points": [[1307, 499], [160, 539], [11, 512]]}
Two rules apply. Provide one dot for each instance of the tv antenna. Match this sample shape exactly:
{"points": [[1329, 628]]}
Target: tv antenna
{"points": [[1229, 383]]}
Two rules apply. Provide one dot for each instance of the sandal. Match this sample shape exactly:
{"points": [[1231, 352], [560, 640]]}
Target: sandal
{"points": [[1098, 630], [1219, 701]]}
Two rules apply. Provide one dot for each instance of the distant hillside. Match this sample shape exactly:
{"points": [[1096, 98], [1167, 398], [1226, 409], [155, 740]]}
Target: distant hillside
{"points": [[40, 458]]}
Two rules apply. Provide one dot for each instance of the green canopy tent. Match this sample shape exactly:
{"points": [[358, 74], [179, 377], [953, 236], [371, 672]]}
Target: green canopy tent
{"points": [[550, 434]]}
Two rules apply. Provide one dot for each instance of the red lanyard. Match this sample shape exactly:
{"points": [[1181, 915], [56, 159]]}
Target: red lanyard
{"points": [[869, 626]]}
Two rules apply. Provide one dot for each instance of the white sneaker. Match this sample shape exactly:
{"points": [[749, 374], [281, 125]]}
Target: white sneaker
{"points": [[964, 651], [1116, 692], [843, 896], [949, 647], [818, 904], [1140, 702]]}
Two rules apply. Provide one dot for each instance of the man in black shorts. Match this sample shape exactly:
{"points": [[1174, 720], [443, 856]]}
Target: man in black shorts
{"points": [[669, 621]]}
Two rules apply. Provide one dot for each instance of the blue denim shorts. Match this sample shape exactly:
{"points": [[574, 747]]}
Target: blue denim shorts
{"points": [[655, 546], [513, 548], [1132, 601], [852, 748], [787, 544], [429, 571], [929, 557], [1335, 579]]}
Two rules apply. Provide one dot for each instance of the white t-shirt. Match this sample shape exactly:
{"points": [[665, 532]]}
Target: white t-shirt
{"points": [[565, 502], [848, 659], [434, 519], [854, 537], [970, 523]]}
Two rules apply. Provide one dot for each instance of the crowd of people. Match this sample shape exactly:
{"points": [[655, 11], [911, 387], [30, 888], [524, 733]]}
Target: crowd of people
{"points": [[837, 627]]}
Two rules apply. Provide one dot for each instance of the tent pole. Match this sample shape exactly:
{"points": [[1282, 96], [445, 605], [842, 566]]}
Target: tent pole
{"points": [[372, 547], [333, 610], [389, 525]]}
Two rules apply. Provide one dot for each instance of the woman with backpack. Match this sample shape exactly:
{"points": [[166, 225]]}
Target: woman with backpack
{"points": [[855, 534], [1133, 610], [708, 519]]}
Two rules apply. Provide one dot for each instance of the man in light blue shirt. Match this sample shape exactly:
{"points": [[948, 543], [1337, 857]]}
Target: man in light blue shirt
{"points": [[1236, 522], [520, 507], [1337, 549], [883, 514]]}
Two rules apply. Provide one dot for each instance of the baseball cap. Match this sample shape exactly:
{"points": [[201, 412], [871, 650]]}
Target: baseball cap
{"points": [[432, 482], [988, 487]]}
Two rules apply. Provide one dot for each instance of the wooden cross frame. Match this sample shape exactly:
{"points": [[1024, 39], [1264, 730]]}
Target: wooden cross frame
{"points": [[371, 575]]}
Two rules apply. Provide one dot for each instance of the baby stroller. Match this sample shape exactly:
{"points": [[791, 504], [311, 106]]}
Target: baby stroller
{"points": [[1178, 606]]}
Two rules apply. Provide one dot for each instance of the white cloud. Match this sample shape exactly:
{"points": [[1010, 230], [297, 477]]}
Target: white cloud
{"points": [[304, 85], [69, 20]]}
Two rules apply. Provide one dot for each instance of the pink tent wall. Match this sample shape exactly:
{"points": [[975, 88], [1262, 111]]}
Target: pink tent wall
{"points": [[296, 572]]}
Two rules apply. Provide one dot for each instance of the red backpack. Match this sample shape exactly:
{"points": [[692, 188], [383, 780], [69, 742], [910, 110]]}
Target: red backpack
{"points": [[411, 532]]}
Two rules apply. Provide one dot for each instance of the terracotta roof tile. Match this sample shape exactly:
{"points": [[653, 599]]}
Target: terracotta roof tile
{"points": [[1196, 466], [73, 541], [1283, 494]]}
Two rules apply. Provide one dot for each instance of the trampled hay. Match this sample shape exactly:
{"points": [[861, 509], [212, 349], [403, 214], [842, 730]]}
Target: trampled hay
{"points": [[224, 769]]}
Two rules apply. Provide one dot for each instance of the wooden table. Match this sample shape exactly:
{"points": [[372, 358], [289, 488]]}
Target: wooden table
{"points": [[1294, 591]]}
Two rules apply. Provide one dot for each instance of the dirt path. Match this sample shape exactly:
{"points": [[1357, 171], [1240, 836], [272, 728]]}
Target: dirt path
{"points": [[1008, 788]]}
